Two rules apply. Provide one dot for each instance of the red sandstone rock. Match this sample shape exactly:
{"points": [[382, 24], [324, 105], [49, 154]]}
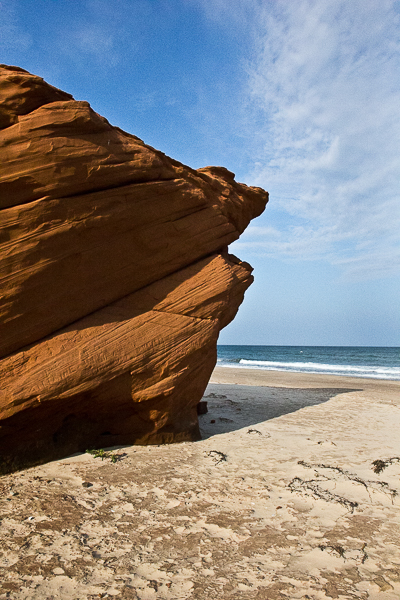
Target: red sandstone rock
{"points": [[114, 278]]}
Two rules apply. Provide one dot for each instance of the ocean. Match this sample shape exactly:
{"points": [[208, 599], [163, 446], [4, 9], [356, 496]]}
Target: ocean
{"points": [[351, 361]]}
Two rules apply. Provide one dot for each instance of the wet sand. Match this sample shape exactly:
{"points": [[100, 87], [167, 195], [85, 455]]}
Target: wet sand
{"points": [[279, 500], [258, 377]]}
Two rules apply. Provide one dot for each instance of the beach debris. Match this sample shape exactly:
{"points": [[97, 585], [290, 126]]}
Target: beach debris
{"points": [[339, 549], [312, 488], [217, 456], [255, 431], [153, 584], [380, 465], [365, 555], [87, 484], [381, 486], [342, 551]]}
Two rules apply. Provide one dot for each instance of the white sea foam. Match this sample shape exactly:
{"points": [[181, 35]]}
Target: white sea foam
{"points": [[370, 371]]}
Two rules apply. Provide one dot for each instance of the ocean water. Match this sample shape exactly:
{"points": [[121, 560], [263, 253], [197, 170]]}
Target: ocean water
{"points": [[351, 361]]}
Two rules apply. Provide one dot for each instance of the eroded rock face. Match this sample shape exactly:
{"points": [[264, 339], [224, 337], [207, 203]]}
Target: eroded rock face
{"points": [[115, 279]]}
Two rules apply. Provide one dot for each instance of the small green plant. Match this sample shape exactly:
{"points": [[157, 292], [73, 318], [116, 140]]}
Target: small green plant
{"points": [[101, 453]]}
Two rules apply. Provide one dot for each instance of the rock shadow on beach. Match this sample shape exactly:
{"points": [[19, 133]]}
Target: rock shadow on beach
{"points": [[232, 407]]}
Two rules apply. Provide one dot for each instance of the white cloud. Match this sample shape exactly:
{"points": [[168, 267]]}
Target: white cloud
{"points": [[325, 83]]}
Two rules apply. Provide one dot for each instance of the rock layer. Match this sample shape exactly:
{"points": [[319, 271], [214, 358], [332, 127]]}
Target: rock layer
{"points": [[115, 279]]}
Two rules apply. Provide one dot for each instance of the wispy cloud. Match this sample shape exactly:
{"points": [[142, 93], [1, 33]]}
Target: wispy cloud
{"points": [[325, 84], [100, 36], [12, 34], [96, 41], [229, 13]]}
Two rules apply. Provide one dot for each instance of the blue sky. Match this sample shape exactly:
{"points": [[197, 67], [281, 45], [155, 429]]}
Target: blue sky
{"points": [[300, 97]]}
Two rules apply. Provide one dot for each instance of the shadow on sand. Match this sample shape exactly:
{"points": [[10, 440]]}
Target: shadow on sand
{"points": [[233, 407]]}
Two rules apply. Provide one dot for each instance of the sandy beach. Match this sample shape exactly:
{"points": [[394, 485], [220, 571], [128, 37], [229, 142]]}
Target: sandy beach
{"points": [[279, 500]]}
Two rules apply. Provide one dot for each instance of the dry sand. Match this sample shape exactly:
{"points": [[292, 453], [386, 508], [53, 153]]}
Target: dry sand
{"points": [[278, 501]]}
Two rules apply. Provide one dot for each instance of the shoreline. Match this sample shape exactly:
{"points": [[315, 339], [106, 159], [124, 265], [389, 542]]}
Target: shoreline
{"points": [[259, 377]]}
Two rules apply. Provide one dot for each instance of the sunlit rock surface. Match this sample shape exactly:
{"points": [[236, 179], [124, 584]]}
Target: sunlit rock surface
{"points": [[115, 278]]}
